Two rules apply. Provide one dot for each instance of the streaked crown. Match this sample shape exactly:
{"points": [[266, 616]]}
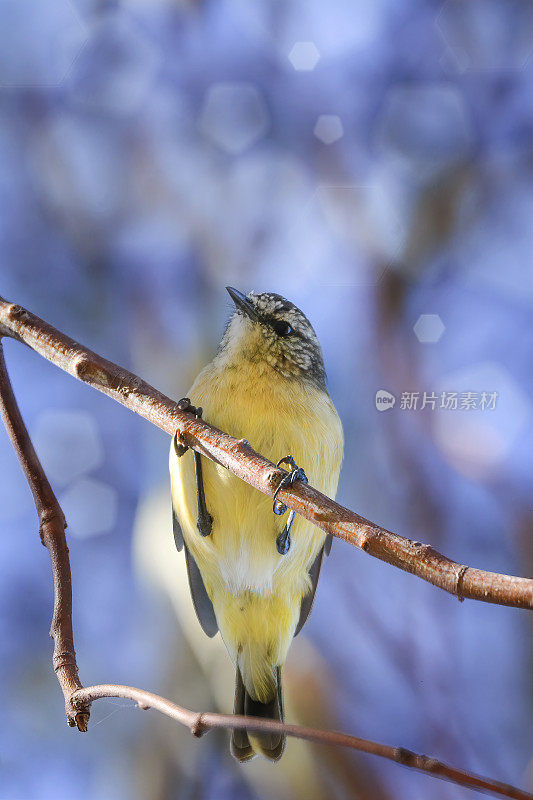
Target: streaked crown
{"points": [[266, 328]]}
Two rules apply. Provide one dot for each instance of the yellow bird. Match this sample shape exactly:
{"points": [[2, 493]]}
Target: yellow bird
{"points": [[253, 573]]}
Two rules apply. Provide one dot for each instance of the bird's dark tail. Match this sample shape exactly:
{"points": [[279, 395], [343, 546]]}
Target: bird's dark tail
{"points": [[244, 745]]}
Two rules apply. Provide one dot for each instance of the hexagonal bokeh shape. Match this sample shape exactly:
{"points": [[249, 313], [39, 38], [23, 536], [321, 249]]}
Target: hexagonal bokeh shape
{"points": [[428, 328], [427, 124], [304, 56], [234, 116], [477, 441], [345, 236], [117, 66], [486, 34], [328, 128], [68, 443], [39, 41], [90, 507]]}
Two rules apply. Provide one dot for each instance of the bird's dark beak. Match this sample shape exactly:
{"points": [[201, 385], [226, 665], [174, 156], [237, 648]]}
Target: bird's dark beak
{"points": [[242, 302]]}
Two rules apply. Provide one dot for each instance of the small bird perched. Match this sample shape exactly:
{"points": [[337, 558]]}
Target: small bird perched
{"points": [[253, 576]]}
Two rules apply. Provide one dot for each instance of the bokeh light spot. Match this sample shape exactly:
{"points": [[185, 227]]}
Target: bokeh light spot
{"points": [[90, 507], [234, 116], [304, 56], [68, 443], [328, 128], [428, 328]]}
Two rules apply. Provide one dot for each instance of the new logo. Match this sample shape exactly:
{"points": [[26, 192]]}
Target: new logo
{"points": [[384, 400]]}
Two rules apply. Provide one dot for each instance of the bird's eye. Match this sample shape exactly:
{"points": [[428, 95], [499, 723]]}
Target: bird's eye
{"points": [[282, 328]]}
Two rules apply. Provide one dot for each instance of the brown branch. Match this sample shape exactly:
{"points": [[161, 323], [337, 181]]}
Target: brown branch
{"points": [[199, 723], [239, 457], [52, 531]]}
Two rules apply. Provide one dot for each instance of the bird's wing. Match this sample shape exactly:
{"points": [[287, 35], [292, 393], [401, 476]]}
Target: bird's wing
{"points": [[202, 604], [176, 530], [309, 598]]}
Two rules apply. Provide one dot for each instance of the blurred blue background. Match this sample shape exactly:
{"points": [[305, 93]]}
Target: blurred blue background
{"points": [[373, 163]]}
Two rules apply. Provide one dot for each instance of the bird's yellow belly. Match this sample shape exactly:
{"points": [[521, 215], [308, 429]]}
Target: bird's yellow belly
{"points": [[241, 555], [241, 551], [255, 591]]}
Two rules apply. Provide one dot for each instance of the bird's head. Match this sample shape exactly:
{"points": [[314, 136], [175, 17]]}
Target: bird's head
{"points": [[270, 331]]}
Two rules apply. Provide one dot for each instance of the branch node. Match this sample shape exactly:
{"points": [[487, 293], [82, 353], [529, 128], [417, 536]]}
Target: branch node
{"points": [[81, 721], [198, 727], [48, 515], [371, 534], [460, 582], [427, 764], [404, 756], [65, 659], [82, 366], [241, 446], [15, 312], [324, 516], [86, 370], [78, 711], [273, 477]]}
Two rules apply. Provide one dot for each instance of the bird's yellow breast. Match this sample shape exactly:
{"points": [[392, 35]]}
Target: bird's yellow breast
{"points": [[239, 561]]}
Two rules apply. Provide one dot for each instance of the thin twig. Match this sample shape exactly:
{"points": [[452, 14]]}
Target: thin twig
{"points": [[52, 531], [238, 456], [200, 723]]}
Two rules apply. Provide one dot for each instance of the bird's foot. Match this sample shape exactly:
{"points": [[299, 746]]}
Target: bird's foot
{"points": [[184, 405], [283, 542], [297, 473]]}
